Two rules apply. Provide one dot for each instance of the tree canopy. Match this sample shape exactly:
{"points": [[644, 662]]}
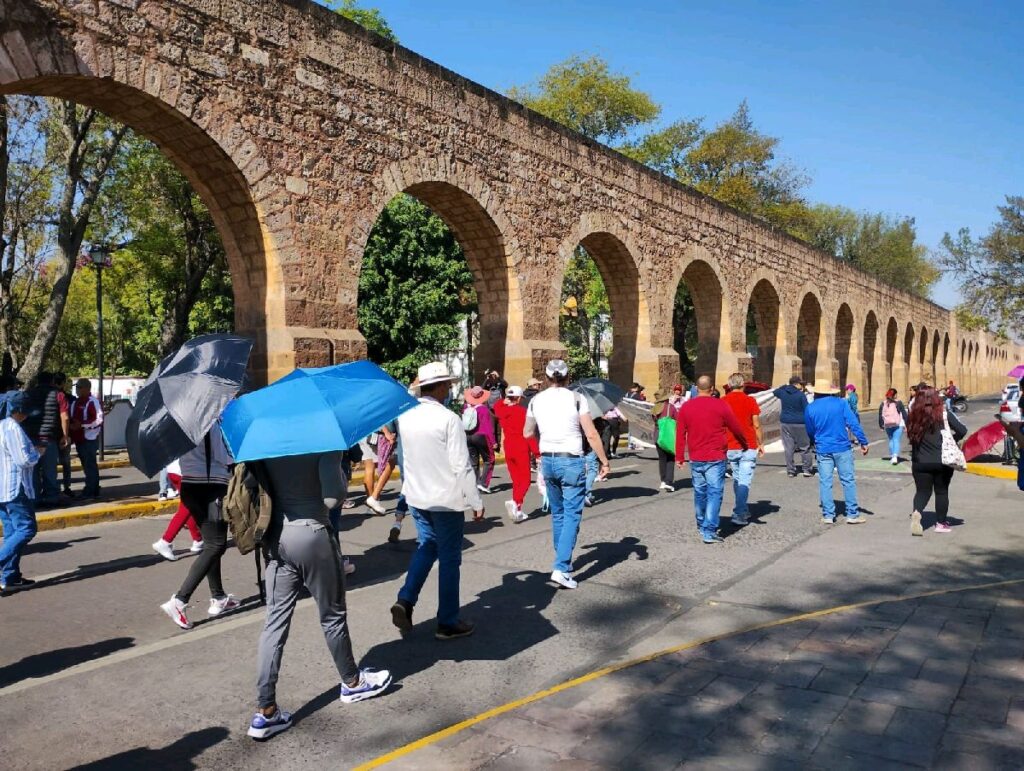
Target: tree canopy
{"points": [[991, 271], [371, 18]]}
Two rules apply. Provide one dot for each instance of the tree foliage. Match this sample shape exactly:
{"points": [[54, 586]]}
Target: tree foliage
{"points": [[991, 270], [585, 314], [583, 94], [371, 18], [415, 288]]}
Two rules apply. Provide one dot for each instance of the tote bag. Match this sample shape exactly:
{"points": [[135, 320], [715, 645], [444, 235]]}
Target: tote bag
{"points": [[952, 455], [667, 435]]}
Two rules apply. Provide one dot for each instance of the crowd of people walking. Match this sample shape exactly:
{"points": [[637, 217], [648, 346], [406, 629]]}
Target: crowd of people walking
{"points": [[447, 460]]}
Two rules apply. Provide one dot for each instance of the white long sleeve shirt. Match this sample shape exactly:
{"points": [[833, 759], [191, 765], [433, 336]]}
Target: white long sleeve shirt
{"points": [[17, 458], [436, 475]]}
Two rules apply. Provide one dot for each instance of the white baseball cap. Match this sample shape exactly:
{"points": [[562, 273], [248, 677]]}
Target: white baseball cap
{"points": [[514, 391], [557, 367]]}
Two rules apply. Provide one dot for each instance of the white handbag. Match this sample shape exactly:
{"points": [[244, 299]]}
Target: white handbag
{"points": [[952, 455]]}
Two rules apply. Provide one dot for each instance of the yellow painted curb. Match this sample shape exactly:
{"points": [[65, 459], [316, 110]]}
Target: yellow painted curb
{"points": [[989, 470], [104, 513], [444, 733]]}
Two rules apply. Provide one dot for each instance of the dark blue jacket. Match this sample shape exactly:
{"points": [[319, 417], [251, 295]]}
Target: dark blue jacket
{"points": [[794, 402]]}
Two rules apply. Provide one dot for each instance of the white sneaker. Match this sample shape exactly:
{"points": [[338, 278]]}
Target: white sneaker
{"points": [[172, 493], [222, 605], [175, 608], [563, 579], [483, 489], [197, 546], [667, 487], [165, 550], [370, 684], [521, 516], [895, 460], [373, 504], [349, 567], [510, 509]]}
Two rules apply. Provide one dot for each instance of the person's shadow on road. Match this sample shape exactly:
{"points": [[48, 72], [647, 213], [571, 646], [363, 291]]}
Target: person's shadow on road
{"points": [[179, 755], [605, 555], [509, 620]]}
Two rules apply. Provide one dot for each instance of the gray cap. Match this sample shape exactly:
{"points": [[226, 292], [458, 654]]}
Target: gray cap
{"points": [[556, 368]]}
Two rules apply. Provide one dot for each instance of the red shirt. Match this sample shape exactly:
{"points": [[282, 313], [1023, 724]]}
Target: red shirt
{"points": [[512, 418], [702, 423], [745, 407]]}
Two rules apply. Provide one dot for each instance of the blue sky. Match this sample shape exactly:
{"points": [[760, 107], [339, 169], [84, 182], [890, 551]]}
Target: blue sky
{"points": [[911, 108]]}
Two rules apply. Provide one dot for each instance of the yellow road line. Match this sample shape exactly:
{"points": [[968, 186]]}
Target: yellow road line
{"points": [[451, 730]]}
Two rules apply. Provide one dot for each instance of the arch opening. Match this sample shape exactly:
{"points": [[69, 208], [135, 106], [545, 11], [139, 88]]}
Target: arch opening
{"points": [[869, 348], [762, 330], [808, 335], [843, 342], [697, 320], [891, 335]]}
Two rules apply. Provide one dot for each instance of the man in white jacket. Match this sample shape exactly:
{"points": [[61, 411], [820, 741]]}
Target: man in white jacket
{"points": [[439, 485]]}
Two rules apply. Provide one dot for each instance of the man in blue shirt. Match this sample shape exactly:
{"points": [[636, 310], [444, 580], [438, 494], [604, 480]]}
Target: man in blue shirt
{"points": [[17, 512], [827, 420], [793, 399]]}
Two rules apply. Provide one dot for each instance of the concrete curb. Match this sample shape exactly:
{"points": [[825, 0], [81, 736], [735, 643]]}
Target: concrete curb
{"points": [[105, 513], [995, 472]]}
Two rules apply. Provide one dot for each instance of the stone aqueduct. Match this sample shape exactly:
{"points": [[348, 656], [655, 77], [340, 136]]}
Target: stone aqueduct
{"points": [[296, 127]]}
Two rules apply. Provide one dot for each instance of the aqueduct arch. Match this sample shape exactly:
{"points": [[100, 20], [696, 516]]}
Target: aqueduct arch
{"points": [[296, 126]]}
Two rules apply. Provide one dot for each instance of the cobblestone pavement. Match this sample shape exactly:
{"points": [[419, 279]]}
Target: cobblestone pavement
{"points": [[935, 682]]}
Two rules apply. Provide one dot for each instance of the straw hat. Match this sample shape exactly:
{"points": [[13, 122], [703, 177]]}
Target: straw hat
{"points": [[824, 386], [434, 372]]}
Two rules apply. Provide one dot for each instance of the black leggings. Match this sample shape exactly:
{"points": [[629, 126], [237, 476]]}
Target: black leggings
{"points": [[666, 466], [610, 436], [197, 499], [928, 477]]}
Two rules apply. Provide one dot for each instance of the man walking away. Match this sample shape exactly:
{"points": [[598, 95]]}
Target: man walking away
{"points": [[701, 424], [794, 434], [562, 417], [43, 427], [301, 550], [438, 485], [17, 494], [204, 481], [743, 462], [828, 419], [86, 419]]}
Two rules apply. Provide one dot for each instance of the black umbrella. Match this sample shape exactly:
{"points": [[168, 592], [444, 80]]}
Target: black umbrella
{"points": [[601, 394], [183, 398]]}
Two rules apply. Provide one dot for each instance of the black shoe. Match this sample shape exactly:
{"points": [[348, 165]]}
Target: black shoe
{"points": [[458, 629], [401, 616], [808, 474], [791, 474], [394, 535], [19, 583]]}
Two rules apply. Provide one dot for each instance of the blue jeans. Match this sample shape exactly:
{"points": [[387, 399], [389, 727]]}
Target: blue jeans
{"points": [[708, 477], [842, 462], [743, 464], [895, 433], [592, 468], [47, 488], [165, 483], [566, 484], [439, 539], [87, 455], [19, 520]]}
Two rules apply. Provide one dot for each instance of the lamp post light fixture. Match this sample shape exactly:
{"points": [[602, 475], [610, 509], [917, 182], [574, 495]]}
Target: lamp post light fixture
{"points": [[99, 257]]}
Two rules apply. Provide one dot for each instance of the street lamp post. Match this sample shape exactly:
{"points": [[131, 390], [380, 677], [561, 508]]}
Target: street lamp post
{"points": [[99, 258]]}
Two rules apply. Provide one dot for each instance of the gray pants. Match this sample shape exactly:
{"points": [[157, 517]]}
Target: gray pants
{"points": [[794, 440], [307, 555]]}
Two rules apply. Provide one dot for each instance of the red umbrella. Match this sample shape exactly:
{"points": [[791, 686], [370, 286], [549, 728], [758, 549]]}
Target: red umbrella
{"points": [[984, 439]]}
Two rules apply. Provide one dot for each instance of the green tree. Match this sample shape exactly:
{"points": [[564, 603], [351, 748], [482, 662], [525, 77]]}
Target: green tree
{"points": [[371, 18], [415, 288], [991, 269], [583, 94], [584, 315]]}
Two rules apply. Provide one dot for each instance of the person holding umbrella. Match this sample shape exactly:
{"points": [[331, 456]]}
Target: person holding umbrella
{"points": [[439, 485], [204, 481]]}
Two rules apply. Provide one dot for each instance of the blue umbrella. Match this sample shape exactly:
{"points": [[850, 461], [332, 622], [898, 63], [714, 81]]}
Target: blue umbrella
{"points": [[314, 410]]}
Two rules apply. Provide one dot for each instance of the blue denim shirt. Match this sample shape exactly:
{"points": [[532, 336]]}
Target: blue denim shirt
{"points": [[827, 419]]}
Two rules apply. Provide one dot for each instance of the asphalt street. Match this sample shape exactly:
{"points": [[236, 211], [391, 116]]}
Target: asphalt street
{"points": [[93, 673]]}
